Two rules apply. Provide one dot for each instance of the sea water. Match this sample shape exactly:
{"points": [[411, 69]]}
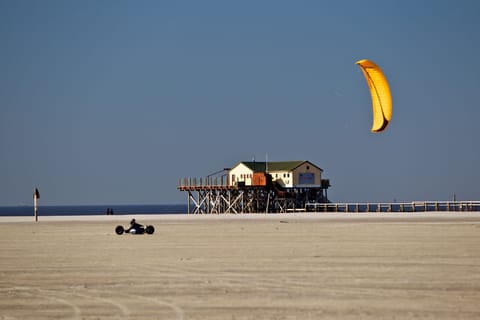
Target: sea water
{"points": [[82, 210]]}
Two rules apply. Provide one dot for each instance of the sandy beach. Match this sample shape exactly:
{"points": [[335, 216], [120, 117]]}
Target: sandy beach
{"points": [[284, 266]]}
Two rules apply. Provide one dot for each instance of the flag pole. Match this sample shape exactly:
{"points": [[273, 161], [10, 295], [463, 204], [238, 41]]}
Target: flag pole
{"points": [[35, 208], [36, 196]]}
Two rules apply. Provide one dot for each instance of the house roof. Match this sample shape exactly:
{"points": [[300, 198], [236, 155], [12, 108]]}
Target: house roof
{"points": [[256, 166]]}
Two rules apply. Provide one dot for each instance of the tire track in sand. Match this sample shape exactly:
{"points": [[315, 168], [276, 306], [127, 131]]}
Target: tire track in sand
{"points": [[58, 297], [76, 312], [179, 314]]}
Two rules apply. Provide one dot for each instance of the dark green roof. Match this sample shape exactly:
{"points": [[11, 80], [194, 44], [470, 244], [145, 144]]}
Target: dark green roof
{"points": [[257, 166]]}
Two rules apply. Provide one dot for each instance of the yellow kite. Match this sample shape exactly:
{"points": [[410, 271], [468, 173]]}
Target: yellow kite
{"points": [[380, 92]]}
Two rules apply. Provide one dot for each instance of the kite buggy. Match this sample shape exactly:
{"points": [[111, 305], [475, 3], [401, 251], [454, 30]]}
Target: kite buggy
{"points": [[135, 228]]}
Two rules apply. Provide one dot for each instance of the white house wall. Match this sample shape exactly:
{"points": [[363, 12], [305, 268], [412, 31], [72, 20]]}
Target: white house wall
{"points": [[241, 173], [285, 178]]}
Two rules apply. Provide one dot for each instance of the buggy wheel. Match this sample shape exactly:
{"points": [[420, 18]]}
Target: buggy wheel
{"points": [[119, 230], [149, 229]]}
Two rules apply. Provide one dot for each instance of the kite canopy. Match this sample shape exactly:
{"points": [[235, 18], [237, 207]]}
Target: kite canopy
{"points": [[380, 92]]}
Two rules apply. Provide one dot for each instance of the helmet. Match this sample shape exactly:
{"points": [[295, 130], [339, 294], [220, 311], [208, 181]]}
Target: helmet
{"points": [[133, 221]]}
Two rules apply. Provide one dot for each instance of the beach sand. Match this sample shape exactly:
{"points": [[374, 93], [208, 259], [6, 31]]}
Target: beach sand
{"points": [[296, 266]]}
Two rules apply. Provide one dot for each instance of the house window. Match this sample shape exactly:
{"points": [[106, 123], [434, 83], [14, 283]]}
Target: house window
{"points": [[306, 178]]}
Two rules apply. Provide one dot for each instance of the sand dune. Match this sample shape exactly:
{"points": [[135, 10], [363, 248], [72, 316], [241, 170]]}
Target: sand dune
{"points": [[295, 266]]}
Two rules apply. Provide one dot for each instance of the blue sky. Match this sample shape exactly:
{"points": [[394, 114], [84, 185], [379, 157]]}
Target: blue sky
{"points": [[111, 102]]}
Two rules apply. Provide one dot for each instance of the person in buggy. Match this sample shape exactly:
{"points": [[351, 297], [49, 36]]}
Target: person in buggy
{"points": [[135, 227]]}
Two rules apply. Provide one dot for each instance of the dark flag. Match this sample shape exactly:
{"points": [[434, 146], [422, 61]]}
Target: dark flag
{"points": [[36, 194]]}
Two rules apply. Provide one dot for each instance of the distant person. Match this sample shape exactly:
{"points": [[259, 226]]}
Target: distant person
{"points": [[111, 211]]}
